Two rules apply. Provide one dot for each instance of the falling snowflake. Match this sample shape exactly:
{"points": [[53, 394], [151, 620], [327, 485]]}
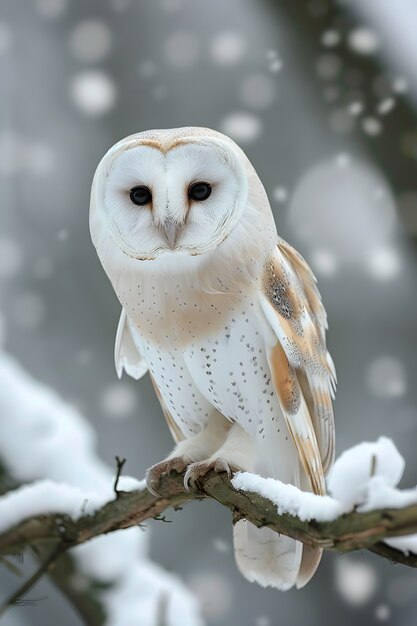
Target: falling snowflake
{"points": [[147, 68], [227, 48], [385, 263], [5, 38], [221, 546], [400, 85], [328, 66], [28, 310], [363, 41], [330, 38], [386, 106], [258, 91], [214, 593], [323, 262], [39, 158], [355, 108], [94, 92], [355, 581], [11, 153], [242, 126], [90, 41], [371, 126], [386, 378], [11, 258], [43, 268], [280, 194], [119, 400], [382, 612], [182, 49], [51, 9]]}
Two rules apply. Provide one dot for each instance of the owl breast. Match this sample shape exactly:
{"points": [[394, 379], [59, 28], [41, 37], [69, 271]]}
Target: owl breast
{"points": [[226, 370], [170, 311]]}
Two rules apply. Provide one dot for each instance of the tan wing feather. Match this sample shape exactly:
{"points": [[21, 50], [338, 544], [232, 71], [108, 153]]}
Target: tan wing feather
{"points": [[293, 307], [297, 417], [318, 387]]}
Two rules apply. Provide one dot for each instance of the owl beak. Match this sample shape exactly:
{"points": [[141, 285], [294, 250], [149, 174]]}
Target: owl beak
{"points": [[171, 228]]}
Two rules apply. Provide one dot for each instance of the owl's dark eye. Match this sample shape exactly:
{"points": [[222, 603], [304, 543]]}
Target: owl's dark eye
{"points": [[199, 191], [140, 195]]}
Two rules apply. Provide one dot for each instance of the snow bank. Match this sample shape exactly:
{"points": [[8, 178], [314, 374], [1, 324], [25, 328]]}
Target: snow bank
{"points": [[45, 440]]}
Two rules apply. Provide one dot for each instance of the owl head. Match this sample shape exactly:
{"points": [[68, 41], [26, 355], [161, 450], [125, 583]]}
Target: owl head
{"points": [[162, 198]]}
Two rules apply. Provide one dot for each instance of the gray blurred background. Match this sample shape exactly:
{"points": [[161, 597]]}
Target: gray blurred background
{"points": [[323, 98]]}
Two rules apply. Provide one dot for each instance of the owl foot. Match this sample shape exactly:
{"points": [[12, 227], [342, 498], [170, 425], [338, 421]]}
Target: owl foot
{"points": [[200, 469], [154, 473]]}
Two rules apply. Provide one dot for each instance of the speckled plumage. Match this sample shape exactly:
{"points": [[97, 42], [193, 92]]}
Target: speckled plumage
{"points": [[227, 319]]}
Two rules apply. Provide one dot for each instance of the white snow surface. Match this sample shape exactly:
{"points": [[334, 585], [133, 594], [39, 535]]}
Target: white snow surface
{"points": [[48, 444], [406, 544], [354, 472], [290, 499], [46, 496]]}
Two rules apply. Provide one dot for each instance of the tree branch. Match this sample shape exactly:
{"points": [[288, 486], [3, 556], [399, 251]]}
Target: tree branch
{"points": [[351, 531], [61, 569]]}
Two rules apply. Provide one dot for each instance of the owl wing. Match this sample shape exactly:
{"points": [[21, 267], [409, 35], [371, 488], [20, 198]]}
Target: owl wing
{"points": [[176, 433], [302, 370], [126, 355]]}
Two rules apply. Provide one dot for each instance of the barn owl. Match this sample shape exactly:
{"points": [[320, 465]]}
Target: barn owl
{"points": [[227, 319]]}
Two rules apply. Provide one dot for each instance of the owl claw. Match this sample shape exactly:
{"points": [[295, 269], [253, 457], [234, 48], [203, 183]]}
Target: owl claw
{"points": [[154, 473], [200, 469]]}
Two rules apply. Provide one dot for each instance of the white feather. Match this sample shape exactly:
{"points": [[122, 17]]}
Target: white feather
{"points": [[126, 355]]}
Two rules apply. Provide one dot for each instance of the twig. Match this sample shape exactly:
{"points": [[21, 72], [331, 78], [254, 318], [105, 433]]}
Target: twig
{"points": [[120, 463], [47, 564]]}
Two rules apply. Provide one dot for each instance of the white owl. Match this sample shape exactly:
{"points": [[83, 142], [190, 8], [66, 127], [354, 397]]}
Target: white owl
{"points": [[226, 317]]}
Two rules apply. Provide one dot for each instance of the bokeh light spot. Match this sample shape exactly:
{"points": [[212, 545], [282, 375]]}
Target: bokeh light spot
{"points": [[28, 311], [363, 41], [227, 48], [90, 41], [242, 126], [94, 92], [385, 263], [11, 258], [119, 400], [258, 91], [386, 378], [356, 581], [214, 593], [334, 207], [51, 9], [182, 49]]}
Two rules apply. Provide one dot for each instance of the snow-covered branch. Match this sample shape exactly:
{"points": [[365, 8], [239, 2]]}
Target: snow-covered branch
{"points": [[315, 520], [48, 463]]}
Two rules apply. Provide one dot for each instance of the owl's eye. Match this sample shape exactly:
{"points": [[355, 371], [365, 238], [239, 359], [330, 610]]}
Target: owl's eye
{"points": [[140, 195], [199, 191]]}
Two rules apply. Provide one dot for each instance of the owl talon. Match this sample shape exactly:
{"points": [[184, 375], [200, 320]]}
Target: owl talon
{"points": [[154, 473], [200, 469]]}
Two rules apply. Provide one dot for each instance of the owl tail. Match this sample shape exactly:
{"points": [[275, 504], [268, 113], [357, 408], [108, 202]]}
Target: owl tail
{"points": [[264, 556]]}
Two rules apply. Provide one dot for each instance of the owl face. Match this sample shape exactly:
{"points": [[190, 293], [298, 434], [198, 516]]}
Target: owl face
{"points": [[169, 196]]}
